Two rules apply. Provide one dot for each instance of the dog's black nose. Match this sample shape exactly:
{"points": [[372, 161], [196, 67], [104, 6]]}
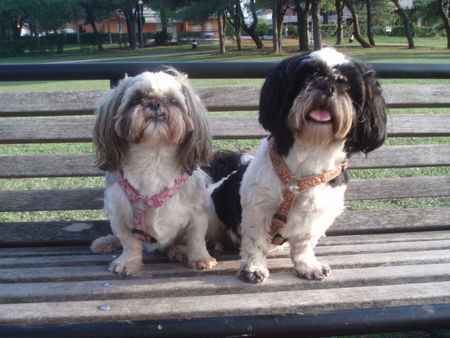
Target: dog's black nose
{"points": [[154, 105]]}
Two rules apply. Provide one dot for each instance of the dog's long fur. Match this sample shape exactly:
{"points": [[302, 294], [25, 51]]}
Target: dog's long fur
{"points": [[153, 128], [320, 107]]}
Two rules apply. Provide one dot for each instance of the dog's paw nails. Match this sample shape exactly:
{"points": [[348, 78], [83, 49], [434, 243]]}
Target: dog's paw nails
{"points": [[317, 272], [204, 264], [255, 276], [125, 268]]}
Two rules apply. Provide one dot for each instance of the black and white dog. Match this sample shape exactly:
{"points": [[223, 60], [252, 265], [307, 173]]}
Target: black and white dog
{"points": [[319, 108]]}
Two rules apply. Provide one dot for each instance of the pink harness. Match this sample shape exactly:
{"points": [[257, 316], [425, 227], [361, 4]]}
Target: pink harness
{"points": [[141, 204]]}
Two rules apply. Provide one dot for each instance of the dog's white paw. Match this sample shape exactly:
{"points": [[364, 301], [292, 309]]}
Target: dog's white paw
{"points": [[254, 274], [179, 253], [215, 248], [105, 245], [126, 266], [202, 264], [316, 271]]}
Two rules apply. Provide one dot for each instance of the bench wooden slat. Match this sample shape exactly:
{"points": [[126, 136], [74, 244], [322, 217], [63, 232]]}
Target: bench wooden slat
{"points": [[201, 285], [46, 165], [385, 221], [50, 103], [267, 303], [74, 165], [207, 285], [96, 267], [56, 130], [349, 223], [401, 187], [334, 241], [327, 251], [215, 99], [92, 198]]}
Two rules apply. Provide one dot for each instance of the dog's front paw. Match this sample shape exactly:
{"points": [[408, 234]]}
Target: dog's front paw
{"points": [[180, 253], [202, 264], [316, 271], [253, 275], [215, 248], [126, 266], [106, 244]]}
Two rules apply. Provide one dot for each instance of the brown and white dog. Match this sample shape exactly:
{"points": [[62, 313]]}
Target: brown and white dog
{"points": [[319, 108], [151, 134]]}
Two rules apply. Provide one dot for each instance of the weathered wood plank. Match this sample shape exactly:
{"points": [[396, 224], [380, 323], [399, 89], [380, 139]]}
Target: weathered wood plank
{"points": [[74, 165], [401, 187], [56, 130], [92, 198], [90, 259], [422, 236], [215, 99], [73, 272], [50, 103], [349, 223], [53, 199], [344, 240], [44, 165], [403, 157], [43, 251], [52, 233], [215, 285], [267, 303], [382, 221]]}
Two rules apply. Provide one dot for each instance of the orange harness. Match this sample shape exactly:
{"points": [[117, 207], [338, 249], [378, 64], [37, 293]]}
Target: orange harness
{"points": [[293, 187]]}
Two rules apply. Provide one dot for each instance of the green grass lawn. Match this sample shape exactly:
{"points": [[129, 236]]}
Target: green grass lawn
{"points": [[389, 50]]}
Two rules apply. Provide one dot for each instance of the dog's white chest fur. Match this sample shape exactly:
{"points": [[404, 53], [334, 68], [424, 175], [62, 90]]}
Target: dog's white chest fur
{"points": [[315, 209]]}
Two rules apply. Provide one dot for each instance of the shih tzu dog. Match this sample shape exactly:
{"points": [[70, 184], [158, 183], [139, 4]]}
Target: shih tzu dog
{"points": [[151, 134], [319, 108]]}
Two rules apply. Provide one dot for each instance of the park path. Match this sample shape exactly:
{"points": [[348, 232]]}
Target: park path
{"points": [[135, 57]]}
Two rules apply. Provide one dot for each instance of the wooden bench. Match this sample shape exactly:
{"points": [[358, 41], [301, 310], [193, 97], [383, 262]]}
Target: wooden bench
{"points": [[391, 268]]}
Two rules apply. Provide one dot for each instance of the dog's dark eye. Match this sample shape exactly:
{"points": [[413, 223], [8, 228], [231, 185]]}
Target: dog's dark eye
{"points": [[173, 101], [135, 101]]}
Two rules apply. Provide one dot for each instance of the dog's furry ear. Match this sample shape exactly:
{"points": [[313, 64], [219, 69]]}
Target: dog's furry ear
{"points": [[195, 149], [110, 148], [278, 93], [369, 128]]}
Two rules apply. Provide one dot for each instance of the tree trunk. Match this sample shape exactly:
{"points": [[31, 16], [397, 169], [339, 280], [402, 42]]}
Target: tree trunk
{"points": [[339, 29], [302, 24], [235, 20], [356, 30], [221, 28], [405, 20], [98, 41], [369, 23], [164, 17], [15, 30], [237, 34], [131, 28], [315, 16], [275, 35], [250, 30], [444, 11], [282, 7]]}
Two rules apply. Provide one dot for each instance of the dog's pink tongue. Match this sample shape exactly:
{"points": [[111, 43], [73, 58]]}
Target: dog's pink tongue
{"points": [[320, 115]]}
